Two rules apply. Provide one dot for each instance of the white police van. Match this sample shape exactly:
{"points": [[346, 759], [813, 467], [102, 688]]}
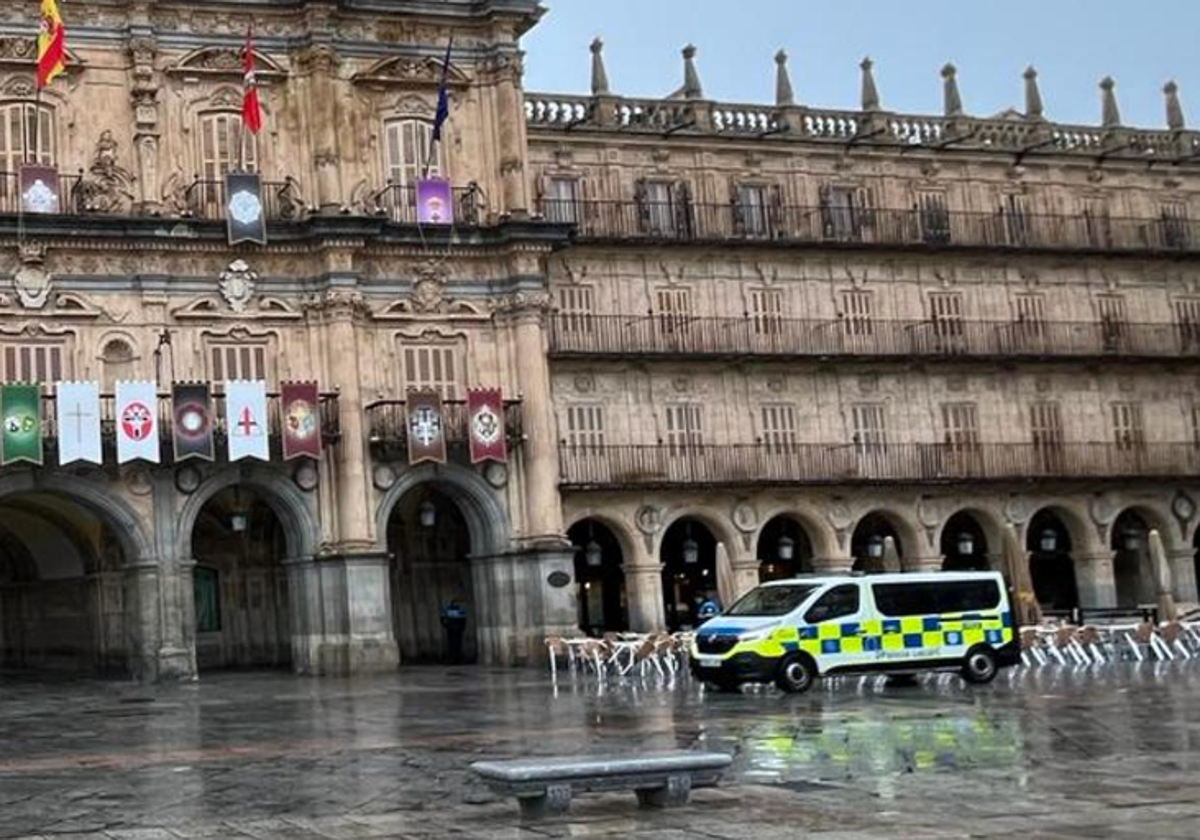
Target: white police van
{"points": [[790, 632]]}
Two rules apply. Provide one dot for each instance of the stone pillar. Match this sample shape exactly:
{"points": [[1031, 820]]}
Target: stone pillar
{"points": [[833, 565], [543, 510], [306, 615], [1096, 581], [142, 619], [511, 106], [745, 576], [177, 656], [1183, 575], [923, 564], [644, 593], [370, 640]]}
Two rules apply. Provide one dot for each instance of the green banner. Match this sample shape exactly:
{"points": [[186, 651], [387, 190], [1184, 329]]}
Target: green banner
{"points": [[21, 409]]}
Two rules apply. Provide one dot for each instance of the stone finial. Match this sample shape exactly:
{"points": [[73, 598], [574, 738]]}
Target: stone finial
{"points": [[870, 93], [950, 95], [692, 89], [1034, 110], [1175, 118], [599, 74], [1110, 115], [784, 95]]}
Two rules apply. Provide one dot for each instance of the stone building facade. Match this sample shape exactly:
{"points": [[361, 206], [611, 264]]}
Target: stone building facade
{"points": [[773, 333]]}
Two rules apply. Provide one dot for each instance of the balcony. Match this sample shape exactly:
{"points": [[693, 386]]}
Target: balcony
{"points": [[671, 336], [665, 466], [846, 227], [387, 423], [331, 426], [398, 203]]}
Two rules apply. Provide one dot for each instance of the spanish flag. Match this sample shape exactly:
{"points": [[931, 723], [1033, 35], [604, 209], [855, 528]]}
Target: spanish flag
{"points": [[52, 53]]}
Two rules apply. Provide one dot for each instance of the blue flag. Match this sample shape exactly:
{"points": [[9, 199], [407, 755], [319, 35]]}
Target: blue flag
{"points": [[443, 106]]}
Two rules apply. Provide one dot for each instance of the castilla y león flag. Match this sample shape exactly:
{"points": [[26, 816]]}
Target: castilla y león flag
{"points": [[485, 418], [426, 427], [192, 422], [21, 407], [301, 407]]}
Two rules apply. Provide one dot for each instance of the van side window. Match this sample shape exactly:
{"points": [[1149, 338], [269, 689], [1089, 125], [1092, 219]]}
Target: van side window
{"points": [[838, 602], [896, 600]]}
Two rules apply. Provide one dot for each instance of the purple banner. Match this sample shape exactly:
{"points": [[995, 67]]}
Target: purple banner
{"points": [[435, 205]]}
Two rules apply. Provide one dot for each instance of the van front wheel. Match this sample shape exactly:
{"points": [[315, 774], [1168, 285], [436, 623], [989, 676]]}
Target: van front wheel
{"points": [[796, 674], [980, 666]]}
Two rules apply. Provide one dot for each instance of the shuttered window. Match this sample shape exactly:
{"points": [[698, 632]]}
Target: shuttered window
{"points": [[752, 210], [432, 367], [674, 308], [1014, 212], [562, 201], [1175, 227], [870, 428], [1113, 319], [238, 360], [219, 137], [1129, 433], [1187, 316], [35, 362], [779, 428], [685, 427], [960, 426], [1045, 425], [21, 133], [946, 313], [576, 308], [766, 311], [933, 218], [585, 426], [407, 144], [1097, 223], [660, 208], [856, 313]]}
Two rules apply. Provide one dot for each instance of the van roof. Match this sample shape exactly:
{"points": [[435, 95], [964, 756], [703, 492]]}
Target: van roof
{"points": [[889, 577]]}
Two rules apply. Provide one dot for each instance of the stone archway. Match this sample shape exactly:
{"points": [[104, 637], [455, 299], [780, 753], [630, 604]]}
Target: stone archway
{"points": [[1133, 572], [965, 544], [599, 577], [688, 552], [869, 541], [1050, 546], [784, 549]]}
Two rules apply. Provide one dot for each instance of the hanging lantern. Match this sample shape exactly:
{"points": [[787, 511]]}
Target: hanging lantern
{"points": [[1133, 540], [787, 548], [875, 547], [428, 514], [593, 554], [1048, 541], [238, 522], [691, 551], [966, 544]]}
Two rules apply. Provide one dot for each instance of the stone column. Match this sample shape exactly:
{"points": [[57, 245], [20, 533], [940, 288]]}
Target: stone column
{"points": [[177, 656], [306, 615], [142, 618], [511, 107], [370, 641], [833, 565], [543, 512], [745, 577], [1096, 581], [1183, 575], [644, 590]]}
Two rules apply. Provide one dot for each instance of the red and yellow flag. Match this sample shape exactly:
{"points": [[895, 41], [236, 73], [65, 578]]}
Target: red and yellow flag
{"points": [[52, 51]]}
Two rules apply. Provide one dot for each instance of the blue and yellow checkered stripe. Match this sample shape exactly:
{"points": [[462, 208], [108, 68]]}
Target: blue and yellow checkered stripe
{"points": [[855, 637]]}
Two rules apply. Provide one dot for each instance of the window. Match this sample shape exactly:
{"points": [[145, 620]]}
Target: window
{"points": [[1175, 229], [933, 218], [1113, 320], [407, 145], [1187, 316], [576, 305], [1014, 213], [899, 600], [35, 362], [766, 311], [432, 367], [870, 428], [960, 426], [561, 204], [206, 584], [663, 208], [946, 314], [1128, 430], [779, 428], [1030, 312], [685, 427], [118, 361], [856, 313], [751, 210], [1096, 223], [1194, 420], [240, 360], [843, 213], [219, 137], [839, 602], [27, 134], [771, 601], [585, 426], [1046, 434], [674, 307]]}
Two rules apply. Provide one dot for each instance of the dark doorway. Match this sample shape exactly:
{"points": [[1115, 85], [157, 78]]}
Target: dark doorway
{"points": [[868, 544], [689, 558], [1131, 563], [599, 579], [964, 545], [784, 550], [1050, 563]]}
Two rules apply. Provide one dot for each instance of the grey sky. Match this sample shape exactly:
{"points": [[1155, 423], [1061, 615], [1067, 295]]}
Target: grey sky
{"points": [[1073, 44]]}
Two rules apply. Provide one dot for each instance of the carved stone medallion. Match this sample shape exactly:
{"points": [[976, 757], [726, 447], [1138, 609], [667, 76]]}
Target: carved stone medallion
{"points": [[237, 285]]}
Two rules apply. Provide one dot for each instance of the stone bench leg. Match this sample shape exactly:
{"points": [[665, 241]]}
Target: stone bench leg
{"points": [[675, 792], [556, 800]]}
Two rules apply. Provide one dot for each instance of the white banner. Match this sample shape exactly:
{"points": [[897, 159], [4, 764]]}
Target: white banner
{"points": [[246, 420], [137, 422], [78, 410]]}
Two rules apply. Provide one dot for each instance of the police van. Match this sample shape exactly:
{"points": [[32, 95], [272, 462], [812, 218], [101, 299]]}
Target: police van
{"points": [[791, 632]]}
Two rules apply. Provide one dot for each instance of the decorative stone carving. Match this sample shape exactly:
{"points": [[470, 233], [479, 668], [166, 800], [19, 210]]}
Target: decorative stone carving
{"points": [[306, 477], [31, 281], [745, 517], [187, 480], [496, 474], [1183, 506], [290, 201], [1017, 509], [429, 289], [649, 520], [106, 187], [383, 477]]}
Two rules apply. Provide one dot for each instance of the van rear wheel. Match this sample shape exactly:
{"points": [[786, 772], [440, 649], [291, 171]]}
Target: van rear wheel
{"points": [[980, 666], [796, 674]]}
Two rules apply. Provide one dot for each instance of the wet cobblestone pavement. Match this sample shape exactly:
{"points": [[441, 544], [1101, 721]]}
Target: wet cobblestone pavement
{"points": [[1047, 754]]}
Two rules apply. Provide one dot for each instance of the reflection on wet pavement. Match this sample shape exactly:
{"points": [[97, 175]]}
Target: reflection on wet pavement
{"points": [[1047, 753]]}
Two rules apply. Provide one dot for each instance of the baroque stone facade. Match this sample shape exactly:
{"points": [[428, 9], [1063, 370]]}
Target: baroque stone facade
{"points": [[793, 338]]}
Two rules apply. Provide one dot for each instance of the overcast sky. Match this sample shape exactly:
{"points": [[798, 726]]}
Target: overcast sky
{"points": [[1073, 43]]}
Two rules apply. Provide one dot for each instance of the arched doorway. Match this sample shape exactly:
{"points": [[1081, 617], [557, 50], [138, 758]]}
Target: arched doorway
{"points": [[964, 545], [1048, 541], [240, 584], [689, 558], [429, 543], [1131, 564], [869, 541], [599, 578], [61, 588], [784, 550]]}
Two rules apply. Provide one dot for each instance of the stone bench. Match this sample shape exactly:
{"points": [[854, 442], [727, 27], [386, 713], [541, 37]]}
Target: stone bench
{"points": [[544, 786]]}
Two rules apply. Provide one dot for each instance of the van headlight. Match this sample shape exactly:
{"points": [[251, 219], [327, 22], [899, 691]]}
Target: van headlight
{"points": [[756, 635]]}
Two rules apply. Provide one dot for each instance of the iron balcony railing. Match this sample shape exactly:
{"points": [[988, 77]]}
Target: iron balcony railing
{"points": [[664, 465], [71, 197], [331, 425], [574, 334], [687, 221], [207, 199], [398, 202], [387, 424]]}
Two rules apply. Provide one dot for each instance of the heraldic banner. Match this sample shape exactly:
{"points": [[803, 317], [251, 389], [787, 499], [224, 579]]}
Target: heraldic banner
{"points": [[78, 409], [485, 418], [21, 407], [301, 420], [192, 422], [246, 420], [426, 427], [137, 422], [244, 210]]}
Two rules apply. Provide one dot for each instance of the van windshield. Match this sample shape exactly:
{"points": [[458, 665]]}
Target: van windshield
{"points": [[772, 601]]}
